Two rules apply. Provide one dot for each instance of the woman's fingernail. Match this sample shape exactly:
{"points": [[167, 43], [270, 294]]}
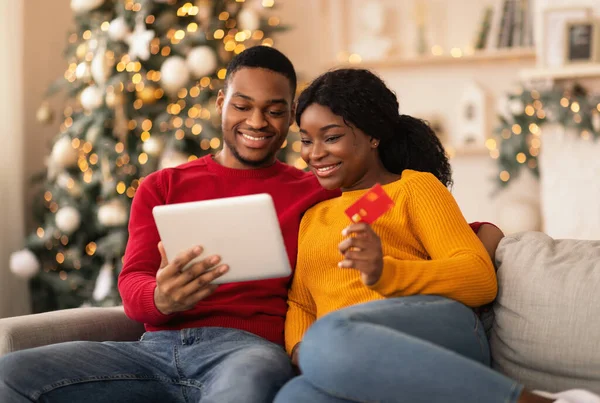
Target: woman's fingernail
{"points": [[223, 269]]}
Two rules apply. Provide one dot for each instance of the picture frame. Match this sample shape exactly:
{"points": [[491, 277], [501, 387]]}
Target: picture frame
{"points": [[554, 28], [582, 39]]}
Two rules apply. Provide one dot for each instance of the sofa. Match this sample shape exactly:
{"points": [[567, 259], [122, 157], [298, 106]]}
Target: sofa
{"points": [[545, 330]]}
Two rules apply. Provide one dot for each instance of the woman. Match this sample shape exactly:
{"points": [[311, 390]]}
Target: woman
{"points": [[395, 296]]}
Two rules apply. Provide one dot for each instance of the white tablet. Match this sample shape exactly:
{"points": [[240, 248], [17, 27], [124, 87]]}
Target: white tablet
{"points": [[243, 230]]}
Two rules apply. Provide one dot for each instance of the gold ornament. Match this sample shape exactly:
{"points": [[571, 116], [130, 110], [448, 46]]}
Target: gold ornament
{"points": [[44, 113], [147, 95], [81, 50]]}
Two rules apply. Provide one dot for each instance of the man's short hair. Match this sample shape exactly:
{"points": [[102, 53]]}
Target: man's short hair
{"points": [[264, 57]]}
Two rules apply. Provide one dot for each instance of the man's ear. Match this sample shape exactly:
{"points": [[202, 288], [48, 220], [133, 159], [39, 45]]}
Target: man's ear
{"points": [[219, 102]]}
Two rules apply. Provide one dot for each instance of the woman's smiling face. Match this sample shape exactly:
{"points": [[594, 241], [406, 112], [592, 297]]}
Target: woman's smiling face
{"points": [[339, 154]]}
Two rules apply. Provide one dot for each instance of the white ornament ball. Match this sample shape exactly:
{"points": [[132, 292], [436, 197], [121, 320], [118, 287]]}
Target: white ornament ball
{"points": [[172, 159], [153, 146], [91, 97], [104, 282], [248, 19], [67, 219], [24, 264], [101, 66], [63, 180], [83, 71], [118, 29], [82, 6], [63, 154], [516, 107], [112, 214], [202, 61], [174, 74]]}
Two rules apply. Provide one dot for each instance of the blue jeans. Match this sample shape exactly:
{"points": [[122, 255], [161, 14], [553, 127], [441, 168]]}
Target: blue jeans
{"points": [[419, 349], [215, 365]]}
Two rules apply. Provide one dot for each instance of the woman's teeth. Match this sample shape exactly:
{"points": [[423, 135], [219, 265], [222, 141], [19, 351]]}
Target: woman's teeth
{"points": [[326, 169]]}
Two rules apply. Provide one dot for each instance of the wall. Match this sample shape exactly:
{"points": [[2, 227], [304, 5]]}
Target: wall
{"points": [[321, 26], [32, 39], [46, 27], [13, 292]]}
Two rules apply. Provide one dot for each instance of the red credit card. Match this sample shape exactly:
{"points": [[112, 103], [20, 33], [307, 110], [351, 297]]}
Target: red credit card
{"points": [[370, 206]]}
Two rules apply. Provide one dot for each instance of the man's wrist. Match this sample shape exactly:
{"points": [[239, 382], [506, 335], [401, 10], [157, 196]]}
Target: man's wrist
{"points": [[158, 303]]}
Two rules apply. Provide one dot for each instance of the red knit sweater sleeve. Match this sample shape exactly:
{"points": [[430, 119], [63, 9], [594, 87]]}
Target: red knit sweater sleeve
{"points": [[137, 279]]}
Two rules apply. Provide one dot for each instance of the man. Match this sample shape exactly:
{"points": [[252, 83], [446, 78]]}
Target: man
{"points": [[202, 343]]}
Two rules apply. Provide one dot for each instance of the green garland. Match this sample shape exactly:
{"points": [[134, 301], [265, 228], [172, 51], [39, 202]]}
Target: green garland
{"points": [[517, 141]]}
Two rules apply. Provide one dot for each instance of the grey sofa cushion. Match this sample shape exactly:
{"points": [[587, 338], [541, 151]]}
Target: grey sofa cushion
{"points": [[546, 332]]}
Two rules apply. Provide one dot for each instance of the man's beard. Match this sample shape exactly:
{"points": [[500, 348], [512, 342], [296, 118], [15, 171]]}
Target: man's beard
{"points": [[252, 163]]}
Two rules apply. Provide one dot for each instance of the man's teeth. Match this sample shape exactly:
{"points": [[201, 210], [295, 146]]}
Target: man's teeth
{"points": [[325, 169], [253, 138]]}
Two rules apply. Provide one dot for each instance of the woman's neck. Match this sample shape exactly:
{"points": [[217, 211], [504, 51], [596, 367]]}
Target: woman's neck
{"points": [[371, 177]]}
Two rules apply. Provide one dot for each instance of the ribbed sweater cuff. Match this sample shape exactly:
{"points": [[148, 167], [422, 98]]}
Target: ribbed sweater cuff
{"points": [[154, 316], [387, 283]]}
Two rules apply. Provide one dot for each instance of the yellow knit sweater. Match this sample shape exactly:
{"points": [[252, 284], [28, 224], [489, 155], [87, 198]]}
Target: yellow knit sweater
{"points": [[428, 248]]}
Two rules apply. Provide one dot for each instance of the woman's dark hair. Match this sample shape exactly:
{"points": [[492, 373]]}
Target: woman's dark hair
{"points": [[363, 100]]}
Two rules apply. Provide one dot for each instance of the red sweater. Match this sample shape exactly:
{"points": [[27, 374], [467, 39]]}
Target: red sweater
{"points": [[255, 306]]}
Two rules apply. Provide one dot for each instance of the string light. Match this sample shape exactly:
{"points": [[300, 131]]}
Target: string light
{"points": [[300, 163], [437, 50], [575, 107], [215, 143], [196, 129], [354, 58], [90, 248], [529, 110], [143, 158], [456, 52]]}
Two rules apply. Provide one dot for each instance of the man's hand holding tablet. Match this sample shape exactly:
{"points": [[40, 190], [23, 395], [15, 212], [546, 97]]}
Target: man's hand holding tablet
{"points": [[179, 290]]}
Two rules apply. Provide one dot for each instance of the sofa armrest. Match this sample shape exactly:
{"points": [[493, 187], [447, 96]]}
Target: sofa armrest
{"points": [[86, 324]]}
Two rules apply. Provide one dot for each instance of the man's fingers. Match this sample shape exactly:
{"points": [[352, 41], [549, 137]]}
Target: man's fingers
{"points": [[204, 280], [163, 255], [194, 271], [201, 294], [173, 269]]}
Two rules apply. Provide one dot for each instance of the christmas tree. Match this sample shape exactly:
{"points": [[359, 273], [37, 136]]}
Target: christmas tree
{"points": [[518, 138], [142, 79]]}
